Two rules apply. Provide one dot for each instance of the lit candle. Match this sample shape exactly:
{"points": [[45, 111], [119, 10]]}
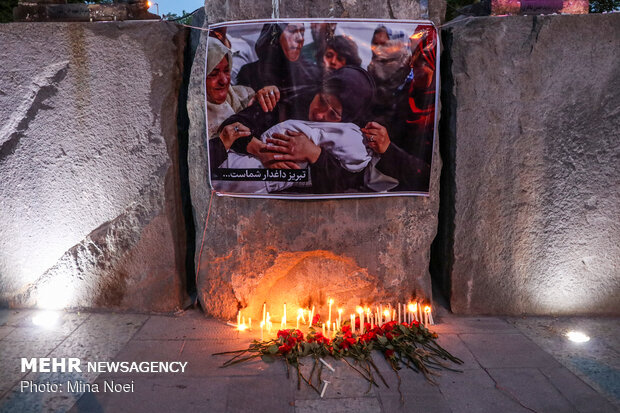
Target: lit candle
{"points": [[381, 314], [268, 323], [323, 328], [399, 313], [372, 319], [334, 329], [284, 316], [329, 320], [386, 313], [360, 311], [411, 311], [420, 312], [262, 326], [250, 323], [239, 318], [300, 315], [353, 323], [430, 316], [302, 311], [427, 311], [264, 311], [339, 316], [311, 316]]}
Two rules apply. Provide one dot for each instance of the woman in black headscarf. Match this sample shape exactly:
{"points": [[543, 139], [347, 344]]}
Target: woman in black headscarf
{"points": [[280, 63]]}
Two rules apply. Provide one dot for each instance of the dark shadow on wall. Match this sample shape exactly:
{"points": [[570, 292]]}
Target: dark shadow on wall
{"points": [[442, 249], [186, 199]]}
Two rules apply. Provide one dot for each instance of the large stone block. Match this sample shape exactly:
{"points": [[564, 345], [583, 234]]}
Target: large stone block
{"points": [[355, 250], [225, 10], [533, 129], [89, 181]]}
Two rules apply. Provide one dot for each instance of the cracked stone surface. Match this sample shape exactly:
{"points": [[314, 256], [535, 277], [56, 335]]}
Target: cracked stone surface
{"points": [[89, 186], [534, 225]]}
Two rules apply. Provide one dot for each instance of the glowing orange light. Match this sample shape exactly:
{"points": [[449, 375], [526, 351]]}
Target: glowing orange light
{"points": [[359, 310], [149, 4], [412, 307], [427, 309]]}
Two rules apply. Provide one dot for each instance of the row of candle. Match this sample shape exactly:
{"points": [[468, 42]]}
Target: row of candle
{"points": [[403, 313]]}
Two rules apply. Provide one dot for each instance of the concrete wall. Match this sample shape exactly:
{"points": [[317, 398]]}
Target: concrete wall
{"points": [[89, 193], [347, 249], [531, 219]]}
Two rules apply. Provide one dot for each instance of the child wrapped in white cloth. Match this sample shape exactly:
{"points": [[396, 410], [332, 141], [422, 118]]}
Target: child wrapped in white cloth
{"points": [[343, 140]]}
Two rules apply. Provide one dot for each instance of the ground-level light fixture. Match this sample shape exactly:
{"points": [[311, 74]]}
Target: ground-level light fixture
{"points": [[577, 337], [46, 319]]}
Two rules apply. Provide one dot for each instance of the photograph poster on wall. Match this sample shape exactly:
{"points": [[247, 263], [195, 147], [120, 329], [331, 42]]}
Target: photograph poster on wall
{"points": [[321, 108]]}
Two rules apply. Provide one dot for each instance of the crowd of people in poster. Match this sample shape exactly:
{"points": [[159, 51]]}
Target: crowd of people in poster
{"points": [[348, 108]]}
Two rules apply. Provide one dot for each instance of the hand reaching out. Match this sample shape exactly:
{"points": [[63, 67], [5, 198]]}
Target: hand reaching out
{"points": [[377, 136], [232, 132], [267, 98]]}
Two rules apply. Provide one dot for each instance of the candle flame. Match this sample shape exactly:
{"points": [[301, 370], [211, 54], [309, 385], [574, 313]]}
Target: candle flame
{"points": [[242, 327], [427, 309], [340, 311], [412, 307], [331, 301], [386, 313], [359, 310]]}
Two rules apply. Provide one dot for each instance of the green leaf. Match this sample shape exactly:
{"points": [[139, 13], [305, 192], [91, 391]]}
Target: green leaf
{"points": [[268, 358], [273, 349], [382, 340]]}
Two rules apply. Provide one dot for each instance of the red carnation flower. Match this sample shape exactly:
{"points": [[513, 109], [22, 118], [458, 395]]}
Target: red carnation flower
{"points": [[283, 333], [285, 348], [316, 318], [389, 353]]}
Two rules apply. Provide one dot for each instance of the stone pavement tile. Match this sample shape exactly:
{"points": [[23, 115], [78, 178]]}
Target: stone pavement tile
{"points": [[26, 331], [341, 405], [597, 362], [457, 324], [13, 317], [5, 331], [258, 394], [189, 325], [431, 402], [98, 338], [474, 391], [202, 362], [419, 394], [169, 393], [532, 389], [348, 384], [455, 346], [507, 350], [599, 374], [10, 359], [578, 393]]}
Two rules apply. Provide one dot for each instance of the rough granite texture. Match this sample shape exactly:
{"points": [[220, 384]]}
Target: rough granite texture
{"points": [[536, 184], [380, 245], [89, 192], [225, 10]]}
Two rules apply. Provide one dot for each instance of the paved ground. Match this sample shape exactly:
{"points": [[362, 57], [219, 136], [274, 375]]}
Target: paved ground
{"points": [[511, 365]]}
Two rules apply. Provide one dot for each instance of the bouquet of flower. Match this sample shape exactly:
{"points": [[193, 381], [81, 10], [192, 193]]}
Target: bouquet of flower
{"points": [[410, 345]]}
